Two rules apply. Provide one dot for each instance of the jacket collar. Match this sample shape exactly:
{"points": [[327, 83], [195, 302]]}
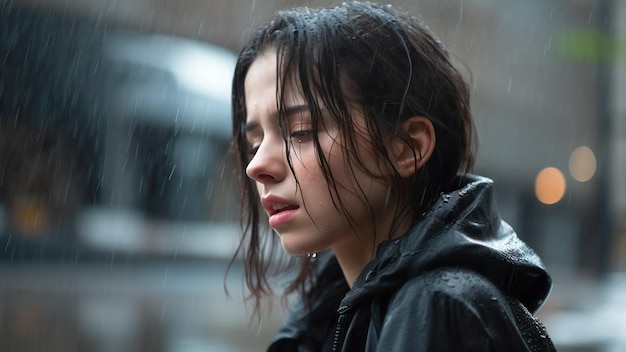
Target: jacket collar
{"points": [[462, 229]]}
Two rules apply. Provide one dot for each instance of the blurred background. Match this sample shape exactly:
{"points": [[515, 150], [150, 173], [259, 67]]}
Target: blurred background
{"points": [[117, 210]]}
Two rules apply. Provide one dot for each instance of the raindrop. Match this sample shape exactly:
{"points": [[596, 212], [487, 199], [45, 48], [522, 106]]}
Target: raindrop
{"points": [[163, 310], [547, 47], [165, 276], [6, 246]]}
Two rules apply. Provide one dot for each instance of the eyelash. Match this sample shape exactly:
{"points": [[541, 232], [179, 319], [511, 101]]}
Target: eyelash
{"points": [[296, 135], [300, 135]]}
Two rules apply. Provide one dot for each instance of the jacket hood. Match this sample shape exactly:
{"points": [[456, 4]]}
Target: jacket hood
{"points": [[462, 229]]}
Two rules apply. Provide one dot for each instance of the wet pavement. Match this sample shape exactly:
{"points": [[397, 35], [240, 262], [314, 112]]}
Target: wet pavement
{"points": [[146, 307], [181, 306]]}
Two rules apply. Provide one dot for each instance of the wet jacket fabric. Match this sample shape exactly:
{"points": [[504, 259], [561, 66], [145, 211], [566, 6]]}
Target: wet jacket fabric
{"points": [[459, 280]]}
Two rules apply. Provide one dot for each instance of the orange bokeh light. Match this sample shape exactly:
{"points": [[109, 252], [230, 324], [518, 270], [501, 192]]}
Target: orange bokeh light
{"points": [[550, 185]]}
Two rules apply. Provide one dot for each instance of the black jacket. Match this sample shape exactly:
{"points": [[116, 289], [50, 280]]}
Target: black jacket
{"points": [[459, 280]]}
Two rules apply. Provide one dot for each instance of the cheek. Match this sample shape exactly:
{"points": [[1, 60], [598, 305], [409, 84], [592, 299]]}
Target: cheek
{"points": [[304, 161], [347, 179], [311, 179]]}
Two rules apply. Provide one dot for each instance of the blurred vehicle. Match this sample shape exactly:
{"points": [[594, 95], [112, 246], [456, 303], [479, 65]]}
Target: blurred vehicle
{"points": [[111, 140]]}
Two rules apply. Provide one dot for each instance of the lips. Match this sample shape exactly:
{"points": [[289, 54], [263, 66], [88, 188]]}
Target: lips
{"points": [[280, 211], [277, 208]]}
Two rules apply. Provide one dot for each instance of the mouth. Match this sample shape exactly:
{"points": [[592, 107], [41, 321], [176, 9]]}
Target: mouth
{"points": [[280, 211], [274, 205], [278, 208]]}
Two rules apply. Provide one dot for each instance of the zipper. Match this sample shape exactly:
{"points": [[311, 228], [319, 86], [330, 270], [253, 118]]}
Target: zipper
{"points": [[339, 332]]}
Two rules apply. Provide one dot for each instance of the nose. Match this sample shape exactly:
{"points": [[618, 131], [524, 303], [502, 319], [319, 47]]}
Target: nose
{"points": [[268, 163]]}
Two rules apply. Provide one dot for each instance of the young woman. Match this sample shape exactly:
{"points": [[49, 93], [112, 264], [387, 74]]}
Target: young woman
{"points": [[353, 134]]}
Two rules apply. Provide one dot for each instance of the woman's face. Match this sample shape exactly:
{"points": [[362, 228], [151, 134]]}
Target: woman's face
{"points": [[304, 216]]}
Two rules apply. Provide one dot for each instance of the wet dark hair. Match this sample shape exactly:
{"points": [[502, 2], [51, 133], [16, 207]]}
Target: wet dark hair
{"points": [[364, 56]]}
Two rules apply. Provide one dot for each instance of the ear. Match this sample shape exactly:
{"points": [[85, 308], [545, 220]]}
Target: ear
{"points": [[413, 151]]}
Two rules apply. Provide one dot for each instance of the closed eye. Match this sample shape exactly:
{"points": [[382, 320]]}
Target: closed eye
{"points": [[300, 136]]}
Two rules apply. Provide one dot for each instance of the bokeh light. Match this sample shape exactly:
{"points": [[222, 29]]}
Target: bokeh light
{"points": [[582, 164], [550, 185]]}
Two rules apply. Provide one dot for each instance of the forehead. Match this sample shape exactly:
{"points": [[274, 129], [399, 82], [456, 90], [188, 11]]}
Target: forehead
{"points": [[261, 86], [260, 80], [262, 70]]}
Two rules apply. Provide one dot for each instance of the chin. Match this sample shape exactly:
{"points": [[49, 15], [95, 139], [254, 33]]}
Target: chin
{"points": [[295, 249]]}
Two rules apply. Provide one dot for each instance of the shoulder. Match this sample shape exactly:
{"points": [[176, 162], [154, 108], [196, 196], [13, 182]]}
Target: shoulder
{"points": [[448, 283], [427, 309], [451, 299], [448, 296]]}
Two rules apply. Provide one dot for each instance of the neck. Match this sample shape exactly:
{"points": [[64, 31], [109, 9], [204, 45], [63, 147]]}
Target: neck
{"points": [[353, 257], [354, 254]]}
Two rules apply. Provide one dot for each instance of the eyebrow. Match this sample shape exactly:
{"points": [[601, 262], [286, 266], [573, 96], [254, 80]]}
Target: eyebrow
{"points": [[290, 110]]}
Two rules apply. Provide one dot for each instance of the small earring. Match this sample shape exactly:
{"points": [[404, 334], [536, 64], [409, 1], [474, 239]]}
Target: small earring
{"points": [[311, 255]]}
